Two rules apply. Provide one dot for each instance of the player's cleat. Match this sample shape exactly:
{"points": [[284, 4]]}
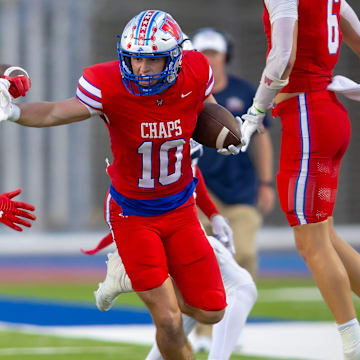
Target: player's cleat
{"points": [[353, 354], [115, 283], [351, 341]]}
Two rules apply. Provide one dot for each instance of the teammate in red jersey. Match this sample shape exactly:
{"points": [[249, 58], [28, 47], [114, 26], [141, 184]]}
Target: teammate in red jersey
{"points": [[150, 100], [305, 36]]}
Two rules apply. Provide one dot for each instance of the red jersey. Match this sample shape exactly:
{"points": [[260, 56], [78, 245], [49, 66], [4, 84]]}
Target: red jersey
{"points": [[318, 44], [149, 134]]}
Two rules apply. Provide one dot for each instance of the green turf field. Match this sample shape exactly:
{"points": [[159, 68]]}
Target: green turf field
{"points": [[280, 298], [19, 346]]}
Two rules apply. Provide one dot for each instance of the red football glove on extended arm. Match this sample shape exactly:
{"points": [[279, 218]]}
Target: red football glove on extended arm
{"points": [[19, 85], [12, 212]]}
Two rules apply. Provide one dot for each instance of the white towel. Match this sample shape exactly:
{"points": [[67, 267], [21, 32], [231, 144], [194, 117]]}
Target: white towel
{"points": [[343, 85]]}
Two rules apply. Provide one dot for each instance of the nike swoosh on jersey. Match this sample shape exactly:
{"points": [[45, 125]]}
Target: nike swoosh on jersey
{"points": [[185, 95]]}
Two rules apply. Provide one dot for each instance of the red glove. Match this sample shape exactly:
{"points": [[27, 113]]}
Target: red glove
{"points": [[19, 85], [12, 212]]}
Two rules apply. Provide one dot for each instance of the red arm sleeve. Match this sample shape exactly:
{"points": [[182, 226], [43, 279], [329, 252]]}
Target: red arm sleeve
{"points": [[104, 242], [203, 200]]}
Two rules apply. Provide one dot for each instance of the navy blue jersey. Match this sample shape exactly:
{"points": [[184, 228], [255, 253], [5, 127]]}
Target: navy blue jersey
{"points": [[232, 178]]}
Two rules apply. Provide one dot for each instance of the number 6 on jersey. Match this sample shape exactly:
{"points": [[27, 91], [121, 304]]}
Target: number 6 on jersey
{"points": [[333, 28]]}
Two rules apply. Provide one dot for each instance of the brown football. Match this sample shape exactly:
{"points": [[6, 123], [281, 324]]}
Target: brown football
{"points": [[216, 127]]}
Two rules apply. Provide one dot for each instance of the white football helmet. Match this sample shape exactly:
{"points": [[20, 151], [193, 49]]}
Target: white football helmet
{"points": [[152, 33]]}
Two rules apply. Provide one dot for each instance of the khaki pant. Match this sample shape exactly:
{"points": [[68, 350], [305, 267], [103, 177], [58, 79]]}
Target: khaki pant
{"points": [[245, 221]]}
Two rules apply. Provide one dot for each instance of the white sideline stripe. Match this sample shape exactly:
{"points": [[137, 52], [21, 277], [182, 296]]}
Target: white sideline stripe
{"points": [[279, 340], [62, 350], [291, 294], [267, 238], [221, 137]]}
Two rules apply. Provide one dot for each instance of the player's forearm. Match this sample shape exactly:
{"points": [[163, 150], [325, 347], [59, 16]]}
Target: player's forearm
{"points": [[263, 157], [279, 62], [45, 114], [39, 114]]}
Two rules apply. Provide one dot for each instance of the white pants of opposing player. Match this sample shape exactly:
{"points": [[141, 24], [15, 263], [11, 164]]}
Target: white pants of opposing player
{"points": [[241, 295]]}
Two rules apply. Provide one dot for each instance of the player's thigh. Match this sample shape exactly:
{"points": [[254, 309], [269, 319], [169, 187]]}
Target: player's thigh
{"points": [[313, 239], [312, 146], [193, 265], [308, 198], [140, 248]]}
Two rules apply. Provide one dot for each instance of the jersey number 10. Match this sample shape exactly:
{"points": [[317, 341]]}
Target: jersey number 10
{"points": [[147, 180]]}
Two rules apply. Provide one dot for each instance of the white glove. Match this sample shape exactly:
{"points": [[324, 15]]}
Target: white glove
{"points": [[5, 100], [232, 149], [253, 121], [222, 231]]}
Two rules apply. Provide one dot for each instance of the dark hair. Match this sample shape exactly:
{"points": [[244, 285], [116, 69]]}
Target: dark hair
{"points": [[227, 37]]}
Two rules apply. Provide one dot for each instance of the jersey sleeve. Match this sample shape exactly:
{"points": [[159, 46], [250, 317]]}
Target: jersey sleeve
{"points": [[210, 83], [203, 200], [201, 70], [282, 8], [88, 90]]}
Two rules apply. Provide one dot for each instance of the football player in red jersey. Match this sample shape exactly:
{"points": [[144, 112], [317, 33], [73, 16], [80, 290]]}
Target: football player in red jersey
{"points": [[14, 82], [239, 286], [305, 36], [150, 100]]}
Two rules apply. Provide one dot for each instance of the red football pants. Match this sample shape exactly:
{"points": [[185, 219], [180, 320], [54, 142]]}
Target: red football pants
{"points": [[173, 243], [315, 135]]}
